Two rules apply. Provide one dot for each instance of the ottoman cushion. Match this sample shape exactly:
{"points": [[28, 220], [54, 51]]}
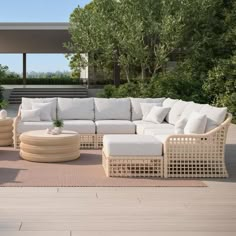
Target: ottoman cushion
{"points": [[131, 145]]}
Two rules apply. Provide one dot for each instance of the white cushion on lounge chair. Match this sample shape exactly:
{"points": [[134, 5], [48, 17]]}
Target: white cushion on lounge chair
{"points": [[191, 106], [142, 125], [112, 108], [160, 129], [215, 116], [169, 102], [131, 145], [176, 111], [29, 126], [136, 107], [76, 108], [80, 126], [196, 123], [27, 104], [115, 127]]}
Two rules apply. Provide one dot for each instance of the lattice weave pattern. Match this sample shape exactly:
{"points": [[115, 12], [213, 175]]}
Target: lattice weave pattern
{"points": [[87, 141], [197, 156], [133, 167], [99, 142]]}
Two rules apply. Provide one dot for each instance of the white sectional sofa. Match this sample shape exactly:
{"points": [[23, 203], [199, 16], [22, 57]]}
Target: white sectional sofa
{"points": [[94, 117]]}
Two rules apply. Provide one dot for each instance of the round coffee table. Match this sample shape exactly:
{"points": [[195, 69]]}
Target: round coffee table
{"points": [[6, 132], [38, 146]]}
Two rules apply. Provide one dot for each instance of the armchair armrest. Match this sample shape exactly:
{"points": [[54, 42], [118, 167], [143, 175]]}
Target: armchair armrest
{"points": [[186, 155]]}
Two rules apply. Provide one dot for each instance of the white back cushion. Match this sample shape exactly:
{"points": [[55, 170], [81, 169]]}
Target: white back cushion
{"points": [[215, 116], [27, 104], [136, 107], [180, 124], [176, 111], [30, 115], [76, 108], [191, 106], [157, 114], [169, 102], [146, 107], [112, 108], [45, 110], [196, 123]]}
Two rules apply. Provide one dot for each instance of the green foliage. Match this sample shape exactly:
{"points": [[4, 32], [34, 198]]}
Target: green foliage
{"points": [[58, 123], [6, 74], [3, 104], [221, 84]]}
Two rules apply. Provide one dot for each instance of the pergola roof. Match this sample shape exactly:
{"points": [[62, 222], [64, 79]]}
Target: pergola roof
{"points": [[33, 37]]}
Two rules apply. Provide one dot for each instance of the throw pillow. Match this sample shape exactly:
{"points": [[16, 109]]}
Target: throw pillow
{"points": [[180, 124], [45, 110], [157, 114], [196, 124], [30, 115], [146, 108]]}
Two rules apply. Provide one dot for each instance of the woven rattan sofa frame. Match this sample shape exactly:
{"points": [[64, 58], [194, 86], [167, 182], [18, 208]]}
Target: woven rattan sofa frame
{"points": [[197, 155], [87, 141]]}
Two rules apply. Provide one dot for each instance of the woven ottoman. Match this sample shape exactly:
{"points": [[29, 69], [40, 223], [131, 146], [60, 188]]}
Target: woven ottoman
{"points": [[132, 156]]}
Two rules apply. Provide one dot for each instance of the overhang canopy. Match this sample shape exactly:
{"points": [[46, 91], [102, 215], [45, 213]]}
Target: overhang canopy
{"points": [[33, 37]]}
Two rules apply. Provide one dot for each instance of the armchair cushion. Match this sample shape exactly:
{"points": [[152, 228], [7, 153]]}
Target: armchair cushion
{"points": [[215, 116]]}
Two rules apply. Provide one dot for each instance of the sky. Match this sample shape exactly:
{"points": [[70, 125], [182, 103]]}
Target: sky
{"points": [[37, 11]]}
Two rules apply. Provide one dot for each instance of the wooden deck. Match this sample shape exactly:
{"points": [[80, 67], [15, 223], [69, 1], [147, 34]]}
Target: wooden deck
{"points": [[199, 211]]}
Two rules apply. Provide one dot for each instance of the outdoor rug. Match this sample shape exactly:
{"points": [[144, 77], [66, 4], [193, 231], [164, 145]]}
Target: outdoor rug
{"points": [[87, 171]]}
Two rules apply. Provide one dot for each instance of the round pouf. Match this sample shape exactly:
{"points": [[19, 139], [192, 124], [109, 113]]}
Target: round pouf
{"points": [[38, 146], [6, 132]]}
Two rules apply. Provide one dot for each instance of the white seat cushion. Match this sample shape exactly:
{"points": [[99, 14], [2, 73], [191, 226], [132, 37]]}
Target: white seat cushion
{"points": [[141, 126], [160, 129], [115, 127], [215, 116], [76, 108], [131, 145], [80, 126], [112, 108], [29, 126], [27, 104], [136, 107], [176, 111]]}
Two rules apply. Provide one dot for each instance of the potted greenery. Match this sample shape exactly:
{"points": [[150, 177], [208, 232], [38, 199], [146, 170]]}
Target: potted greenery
{"points": [[58, 125], [3, 106]]}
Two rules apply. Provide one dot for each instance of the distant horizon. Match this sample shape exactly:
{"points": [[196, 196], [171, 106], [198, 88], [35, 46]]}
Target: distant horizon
{"points": [[28, 11]]}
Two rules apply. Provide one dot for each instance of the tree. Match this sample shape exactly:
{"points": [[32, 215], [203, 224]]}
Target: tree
{"points": [[136, 35]]}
